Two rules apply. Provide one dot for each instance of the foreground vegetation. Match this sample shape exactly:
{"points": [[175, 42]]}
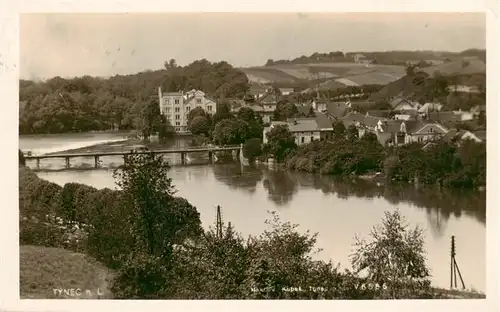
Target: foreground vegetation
{"points": [[158, 248], [442, 163]]}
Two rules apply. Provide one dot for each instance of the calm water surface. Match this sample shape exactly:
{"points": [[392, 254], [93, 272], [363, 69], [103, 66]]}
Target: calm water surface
{"points": [[336, 210]]}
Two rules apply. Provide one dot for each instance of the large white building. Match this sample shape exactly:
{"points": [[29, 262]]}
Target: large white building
{"points": [[176, 106]]}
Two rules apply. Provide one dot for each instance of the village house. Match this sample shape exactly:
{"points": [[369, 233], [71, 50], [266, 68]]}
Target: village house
{"points": [[430, 107], [265, 113], [464, 89], [305, 130], [176, 106], [396, 131], [286, 91], [477, 136], [269, 101], [257, 90], [404, 104]]}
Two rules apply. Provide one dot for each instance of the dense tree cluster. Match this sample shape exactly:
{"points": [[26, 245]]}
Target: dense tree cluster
{"points": [[386, 57], [91, 103]]}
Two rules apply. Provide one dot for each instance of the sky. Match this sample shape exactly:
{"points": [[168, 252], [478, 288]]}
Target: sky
{"points": [[70, 45]]}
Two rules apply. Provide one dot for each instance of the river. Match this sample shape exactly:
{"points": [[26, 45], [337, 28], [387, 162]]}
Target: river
{"points": [[336, 210]]}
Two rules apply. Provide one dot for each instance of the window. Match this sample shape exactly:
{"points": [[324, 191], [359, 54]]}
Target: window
{"points": [[188, 108], [198, 101], [177, 117], [312, 138], [209, 108], [176, 101], [177, 109], [167, 101], [168, 109], [302, 139], [177, 124]]}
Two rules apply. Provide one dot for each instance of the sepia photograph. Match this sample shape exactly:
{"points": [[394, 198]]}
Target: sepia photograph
{"points": [[266, 156]]}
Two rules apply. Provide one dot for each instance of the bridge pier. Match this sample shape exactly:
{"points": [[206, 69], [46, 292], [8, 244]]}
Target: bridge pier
{"points": [[67, 163], [38, 163], [96, 161], [183, 158], [210, 157]]}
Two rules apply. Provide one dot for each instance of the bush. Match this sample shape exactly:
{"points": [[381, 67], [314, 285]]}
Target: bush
{"points": [[22, 160]]}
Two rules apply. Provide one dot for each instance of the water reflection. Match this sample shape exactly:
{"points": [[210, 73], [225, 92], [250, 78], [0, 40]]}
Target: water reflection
{"points": [[238, 177], [282, 185]]}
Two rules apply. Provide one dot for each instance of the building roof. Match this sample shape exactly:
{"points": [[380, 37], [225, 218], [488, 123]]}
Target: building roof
{"points": [[304, 109], [268, 98], [430, 107], [398, 100], [368, 121], [298, 124], [323, 121], [379, 113], [410, 112], [481, 134], [172, 93], [446, 117], [336, 109], [283, 90]]}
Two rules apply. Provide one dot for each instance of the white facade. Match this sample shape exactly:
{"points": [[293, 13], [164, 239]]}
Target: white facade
{"points": [[177, 105], [305, 131]]}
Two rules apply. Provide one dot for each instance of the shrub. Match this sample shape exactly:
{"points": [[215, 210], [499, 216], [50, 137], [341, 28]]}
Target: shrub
{"points": [[252, 148]]}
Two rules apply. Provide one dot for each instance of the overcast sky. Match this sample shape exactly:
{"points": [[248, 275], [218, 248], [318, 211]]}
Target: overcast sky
{"points": [[70, 45]]}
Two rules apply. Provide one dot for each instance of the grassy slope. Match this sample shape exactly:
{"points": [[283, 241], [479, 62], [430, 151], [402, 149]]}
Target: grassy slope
{"points": [[297, 72], [43, 269]]}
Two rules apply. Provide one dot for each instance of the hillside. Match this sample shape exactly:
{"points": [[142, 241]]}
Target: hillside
{"points": [[44, 269], [340, 74]]}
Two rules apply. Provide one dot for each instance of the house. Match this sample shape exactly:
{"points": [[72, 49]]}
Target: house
{"points": [[419, 131], [265, 113], [406, 114], [476, 110], [430, 107], [176, 106], [286, 91], [257, 90], [464, 115], [401, 103], [464, 89], [447, 118], [269, 101], [337, 110], [305, 130], [319, 106], [396, 131], [478, 136], [361, 59]]}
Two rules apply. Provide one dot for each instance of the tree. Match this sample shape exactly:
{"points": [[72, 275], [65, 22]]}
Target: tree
{"points": [[199, 125], [352, 133], [166, 130], [252, 148], [22, 160], [151, 119], [170, 64], [155, 218], [156, 223], [230, 131], [394, 257], [280, 142], [198, 111], [285, 110], [339, 129]]}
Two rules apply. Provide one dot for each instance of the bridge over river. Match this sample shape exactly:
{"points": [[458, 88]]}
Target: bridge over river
{"points": [[182, 151]]}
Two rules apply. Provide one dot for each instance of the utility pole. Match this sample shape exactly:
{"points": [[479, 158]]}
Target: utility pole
{"points": [[454, 267], [219, 222]]}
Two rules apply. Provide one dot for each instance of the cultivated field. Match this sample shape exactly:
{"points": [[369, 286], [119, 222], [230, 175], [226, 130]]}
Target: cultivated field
{"points": [[342, 73]]}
